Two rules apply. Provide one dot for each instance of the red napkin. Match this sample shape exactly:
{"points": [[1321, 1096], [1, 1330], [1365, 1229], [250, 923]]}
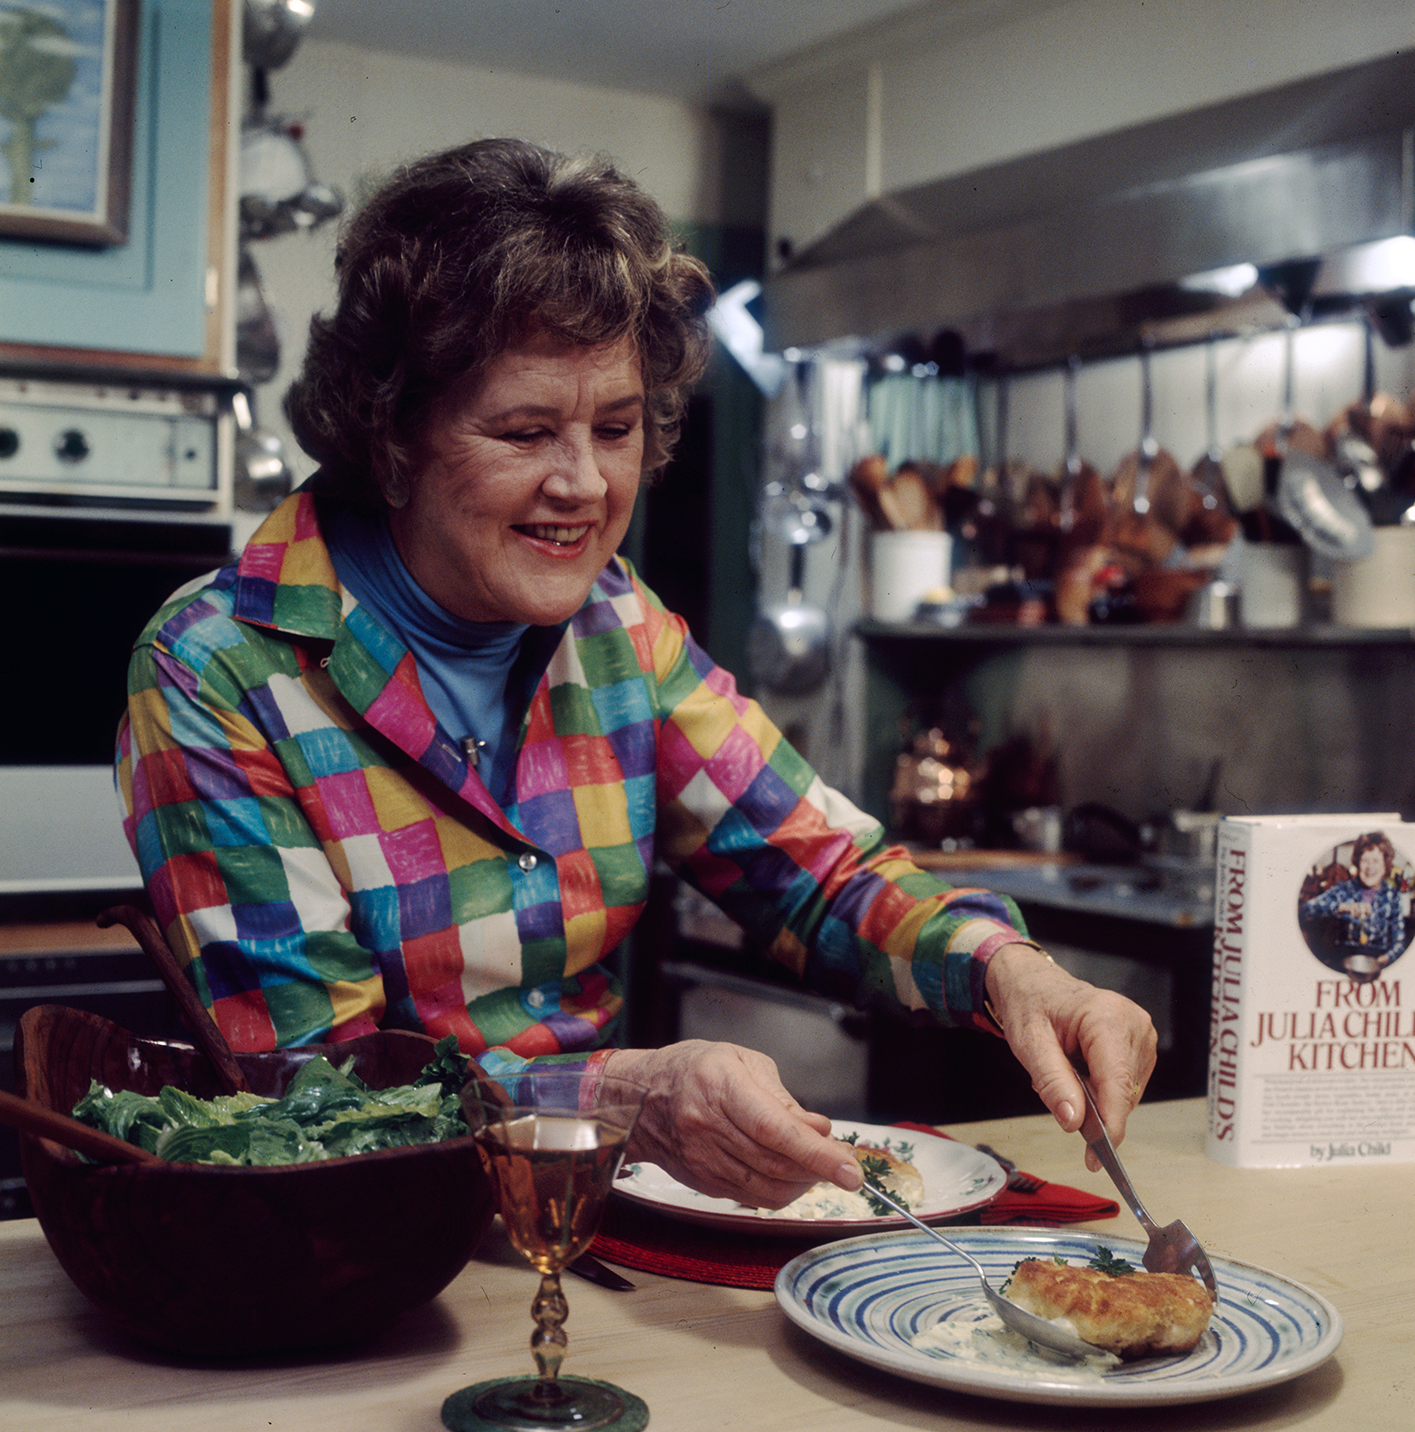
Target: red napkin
{"points": [[652, 1242], [1044, 1207]]}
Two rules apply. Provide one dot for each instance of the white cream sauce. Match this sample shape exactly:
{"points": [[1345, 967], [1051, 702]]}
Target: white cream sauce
{"points": [[987, 1341], [825, 1200]]}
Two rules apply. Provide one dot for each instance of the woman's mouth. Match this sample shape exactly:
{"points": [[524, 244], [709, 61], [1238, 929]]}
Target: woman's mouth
{"points": [[556, 535]]}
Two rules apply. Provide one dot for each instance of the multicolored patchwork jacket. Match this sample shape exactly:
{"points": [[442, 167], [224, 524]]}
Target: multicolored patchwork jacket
{"points": [[325, 861]]}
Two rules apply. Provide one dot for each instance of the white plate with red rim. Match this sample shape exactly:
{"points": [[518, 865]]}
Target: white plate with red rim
{"points": [[957, 1179]]}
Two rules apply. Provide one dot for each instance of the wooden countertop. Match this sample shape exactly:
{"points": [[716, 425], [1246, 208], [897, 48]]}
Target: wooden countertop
{"points": [[65, 937], [707, 1358]]}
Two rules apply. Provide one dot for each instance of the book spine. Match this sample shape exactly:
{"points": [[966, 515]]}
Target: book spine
{"points": [[1231, 905]]}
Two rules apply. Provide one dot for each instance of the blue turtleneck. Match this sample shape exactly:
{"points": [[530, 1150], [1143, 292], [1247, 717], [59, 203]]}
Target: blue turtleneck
{"points": [[464, 666]]}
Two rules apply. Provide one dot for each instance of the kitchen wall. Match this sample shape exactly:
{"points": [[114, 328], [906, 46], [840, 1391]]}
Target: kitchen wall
{"points": [[365, 111]]}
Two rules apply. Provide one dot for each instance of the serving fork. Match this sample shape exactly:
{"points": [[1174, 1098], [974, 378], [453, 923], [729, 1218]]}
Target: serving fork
{"points": [[1173, 1248], [1017, 1180]]}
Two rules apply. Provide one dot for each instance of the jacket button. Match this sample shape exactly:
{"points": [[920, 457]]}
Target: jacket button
{"points": [[527, 862]]}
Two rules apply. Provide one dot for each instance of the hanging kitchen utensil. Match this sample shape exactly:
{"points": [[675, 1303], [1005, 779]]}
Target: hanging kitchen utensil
{"points": [[788, 645], [988, 525], [1243, 480], [271, 30], [1310, 495], [263, 478], [279, 194], [1208, 521], [1142, 487], [1330, 517], [257, 340], [793, 516], [1355, 456], [1081, 519], [1081, 504]]}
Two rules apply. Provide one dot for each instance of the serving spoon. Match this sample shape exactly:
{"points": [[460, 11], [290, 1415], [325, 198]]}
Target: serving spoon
{"points": [[1031, 1327]]}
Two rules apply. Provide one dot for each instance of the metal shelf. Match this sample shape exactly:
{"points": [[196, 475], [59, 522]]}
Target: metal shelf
{"points": [[1132, 634]]}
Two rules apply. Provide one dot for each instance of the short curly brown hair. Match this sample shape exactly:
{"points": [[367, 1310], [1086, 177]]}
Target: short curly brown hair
{"points": [[1373, 840], [457, 258]]}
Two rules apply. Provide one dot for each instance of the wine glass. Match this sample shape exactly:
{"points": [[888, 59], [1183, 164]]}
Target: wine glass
{"points": [[551, 1140]]}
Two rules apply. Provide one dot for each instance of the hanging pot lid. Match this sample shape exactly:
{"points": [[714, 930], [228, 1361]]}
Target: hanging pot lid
{"points": [[279, 194]]}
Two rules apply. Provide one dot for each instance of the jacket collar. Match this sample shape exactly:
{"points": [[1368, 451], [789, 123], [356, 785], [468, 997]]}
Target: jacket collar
{"points": [[285, 581]]}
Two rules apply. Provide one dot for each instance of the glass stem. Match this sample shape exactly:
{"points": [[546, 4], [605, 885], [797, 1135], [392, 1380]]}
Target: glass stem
{"points": [[548, 1341]]}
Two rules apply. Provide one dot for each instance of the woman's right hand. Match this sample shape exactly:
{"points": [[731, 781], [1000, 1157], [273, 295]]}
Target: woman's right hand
{"points": [[718, 1118]]}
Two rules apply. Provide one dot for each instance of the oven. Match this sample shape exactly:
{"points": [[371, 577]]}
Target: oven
{"points": [[115, 490]]}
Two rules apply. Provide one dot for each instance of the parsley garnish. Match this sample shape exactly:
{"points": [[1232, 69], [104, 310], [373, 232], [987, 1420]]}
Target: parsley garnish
{"points": [[1106, 1262], [874, 1171]]}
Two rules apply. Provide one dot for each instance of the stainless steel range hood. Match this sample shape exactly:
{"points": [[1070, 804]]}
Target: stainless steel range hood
{"points": [[1085, 249]]}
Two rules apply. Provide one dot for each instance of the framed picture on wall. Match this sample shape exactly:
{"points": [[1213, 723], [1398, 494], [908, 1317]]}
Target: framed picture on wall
{"points": [[67, 79]]}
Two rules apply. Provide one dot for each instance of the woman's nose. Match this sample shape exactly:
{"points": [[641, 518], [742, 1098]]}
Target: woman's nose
{"points": [[576, 476]]}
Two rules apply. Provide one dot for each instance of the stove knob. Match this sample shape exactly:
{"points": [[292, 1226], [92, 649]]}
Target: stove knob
{"points": [[71, 445], [9, 442]]}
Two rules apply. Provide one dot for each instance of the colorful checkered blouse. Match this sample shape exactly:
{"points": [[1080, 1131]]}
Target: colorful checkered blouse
{"points": [[326, 862]]}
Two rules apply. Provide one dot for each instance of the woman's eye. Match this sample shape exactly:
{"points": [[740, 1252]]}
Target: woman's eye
{"points": [[615, 432]]}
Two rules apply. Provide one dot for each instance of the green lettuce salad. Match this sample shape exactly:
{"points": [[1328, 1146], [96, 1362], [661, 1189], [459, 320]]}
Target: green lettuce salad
{"points": [[325, 1113]]}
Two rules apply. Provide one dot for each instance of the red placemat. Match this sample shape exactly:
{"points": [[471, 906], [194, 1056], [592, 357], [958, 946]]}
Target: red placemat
{"points": [[642, 1238]]}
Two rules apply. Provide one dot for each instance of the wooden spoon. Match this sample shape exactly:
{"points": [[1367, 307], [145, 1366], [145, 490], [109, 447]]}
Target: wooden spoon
{"points": [[198, 1019], [867, 477], [32, 1118], [909, 502]]}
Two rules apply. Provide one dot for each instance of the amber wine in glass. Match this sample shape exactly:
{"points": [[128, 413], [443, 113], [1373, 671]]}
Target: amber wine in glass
{"points": [[551, 1141]]}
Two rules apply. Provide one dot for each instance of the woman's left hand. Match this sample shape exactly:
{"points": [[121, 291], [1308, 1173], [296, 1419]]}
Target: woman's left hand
{"points": [[1050, 1018]]}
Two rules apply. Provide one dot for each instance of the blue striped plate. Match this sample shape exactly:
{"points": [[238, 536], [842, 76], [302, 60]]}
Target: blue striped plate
{"points": [[870, 1297]]}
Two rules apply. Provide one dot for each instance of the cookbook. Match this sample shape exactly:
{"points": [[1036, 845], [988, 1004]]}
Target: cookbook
{"points": [[1312, 1022]]}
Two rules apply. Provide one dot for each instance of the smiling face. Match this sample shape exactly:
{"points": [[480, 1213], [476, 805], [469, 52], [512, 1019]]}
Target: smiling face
{"points": [[526, 482], [1371, 868]]}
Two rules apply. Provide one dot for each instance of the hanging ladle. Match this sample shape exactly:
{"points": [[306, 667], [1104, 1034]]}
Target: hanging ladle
{"points": [[1081, 505], [1209, 519], [1071, 467], [1145, 480], [1310, 495], [788, 645], [1149, 447]]}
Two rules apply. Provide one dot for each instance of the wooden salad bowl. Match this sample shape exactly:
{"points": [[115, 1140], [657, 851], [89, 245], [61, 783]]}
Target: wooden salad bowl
{"points": [[230, 1261]]}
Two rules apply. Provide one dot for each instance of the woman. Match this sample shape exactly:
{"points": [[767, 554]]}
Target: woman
{"points": [[407, 763], [1366, 913]]}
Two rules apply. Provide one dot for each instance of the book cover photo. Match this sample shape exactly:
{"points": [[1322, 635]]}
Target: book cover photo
{"points": [[1312, 1042]]}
